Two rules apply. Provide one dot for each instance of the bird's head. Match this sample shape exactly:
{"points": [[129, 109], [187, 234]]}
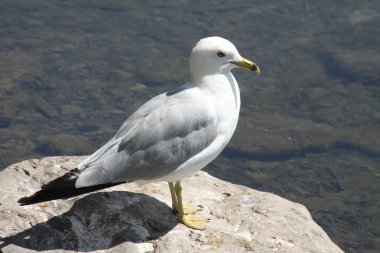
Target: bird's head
{"points": [[217, 55]]}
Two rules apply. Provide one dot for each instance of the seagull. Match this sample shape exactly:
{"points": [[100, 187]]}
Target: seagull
{"points": [[168, 138]]}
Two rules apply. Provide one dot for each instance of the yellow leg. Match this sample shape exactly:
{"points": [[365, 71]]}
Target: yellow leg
{"points": [[174, 197], [189, 220], [187, 207]]}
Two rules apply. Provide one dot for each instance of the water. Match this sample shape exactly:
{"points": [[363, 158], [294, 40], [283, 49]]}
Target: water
{"points": [[72, 71]]}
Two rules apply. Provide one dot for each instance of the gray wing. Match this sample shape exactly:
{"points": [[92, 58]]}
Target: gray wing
{"points": [[160, 136]]}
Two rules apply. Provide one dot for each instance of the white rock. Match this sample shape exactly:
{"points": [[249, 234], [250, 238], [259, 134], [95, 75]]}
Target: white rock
{"points": [[129, 218]]}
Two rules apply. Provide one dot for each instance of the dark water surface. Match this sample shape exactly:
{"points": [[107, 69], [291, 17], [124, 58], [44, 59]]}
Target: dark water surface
{"points": [[72, 71]]}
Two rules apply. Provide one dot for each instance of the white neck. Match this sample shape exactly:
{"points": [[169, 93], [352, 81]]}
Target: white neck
{"points": [[223, 93], [223, 86]]}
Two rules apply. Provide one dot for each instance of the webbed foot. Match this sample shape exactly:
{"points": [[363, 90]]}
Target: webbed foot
{"points": [[192, 221]]}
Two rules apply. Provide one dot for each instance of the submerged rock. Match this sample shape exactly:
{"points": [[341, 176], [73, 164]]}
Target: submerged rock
{"points": [[129, 218]]}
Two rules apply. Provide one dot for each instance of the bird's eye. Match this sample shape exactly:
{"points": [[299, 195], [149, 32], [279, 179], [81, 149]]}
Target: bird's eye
{"points": [[220, 54]]}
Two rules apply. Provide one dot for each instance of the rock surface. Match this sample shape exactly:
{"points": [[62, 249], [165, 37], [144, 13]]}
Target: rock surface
{"points": [[131, 218]]}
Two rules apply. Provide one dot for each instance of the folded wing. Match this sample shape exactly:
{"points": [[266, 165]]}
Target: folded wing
{"points": [[154, 141]]}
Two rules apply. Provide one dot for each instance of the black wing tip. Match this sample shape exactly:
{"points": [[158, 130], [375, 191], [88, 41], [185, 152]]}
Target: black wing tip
{"points": [[25, 201], [61, 193], [32, 199], [51, 190]]}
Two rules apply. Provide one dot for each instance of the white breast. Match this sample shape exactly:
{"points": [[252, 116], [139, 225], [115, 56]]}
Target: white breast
{"points": [[224, 95]]}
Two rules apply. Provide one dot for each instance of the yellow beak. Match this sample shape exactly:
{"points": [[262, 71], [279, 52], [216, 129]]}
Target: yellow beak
{"points": [[247, 64]]}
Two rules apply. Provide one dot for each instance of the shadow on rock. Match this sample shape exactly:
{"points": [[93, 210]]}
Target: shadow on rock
{"points": [[99, 221]]}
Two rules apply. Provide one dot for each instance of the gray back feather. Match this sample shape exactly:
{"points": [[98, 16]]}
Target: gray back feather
{"points": [[154, 141]]}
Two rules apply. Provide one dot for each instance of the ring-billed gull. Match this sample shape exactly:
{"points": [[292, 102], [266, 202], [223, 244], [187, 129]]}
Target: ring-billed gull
{"points": [[169, 137]]}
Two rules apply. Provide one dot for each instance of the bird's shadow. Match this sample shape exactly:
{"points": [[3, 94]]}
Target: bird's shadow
{"points": [[99, 221]]}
